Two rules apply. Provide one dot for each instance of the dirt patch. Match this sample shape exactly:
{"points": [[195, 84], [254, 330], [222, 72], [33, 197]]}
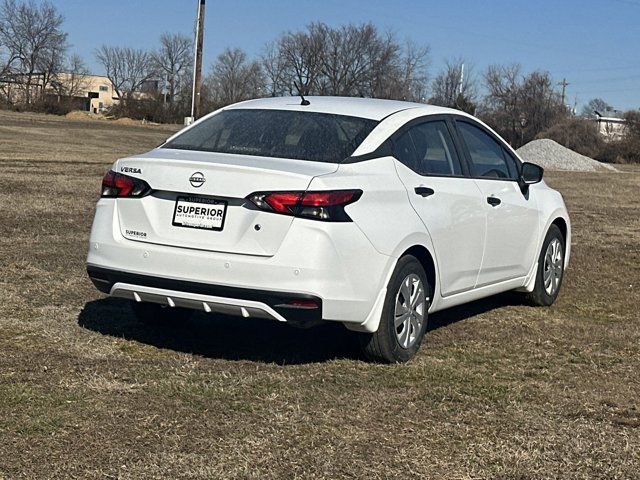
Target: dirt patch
{"points": [[127, 121], [79, 115]]}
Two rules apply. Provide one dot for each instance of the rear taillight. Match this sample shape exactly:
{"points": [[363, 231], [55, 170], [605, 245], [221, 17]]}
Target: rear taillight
{"points": [[327, 206], [118, 185]]}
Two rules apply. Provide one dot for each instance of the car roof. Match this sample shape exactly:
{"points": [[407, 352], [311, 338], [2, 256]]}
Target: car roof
{"points": [[371, 108]]}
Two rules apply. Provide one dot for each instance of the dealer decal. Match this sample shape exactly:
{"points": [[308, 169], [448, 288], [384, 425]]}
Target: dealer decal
{"points": [[136, 233]]}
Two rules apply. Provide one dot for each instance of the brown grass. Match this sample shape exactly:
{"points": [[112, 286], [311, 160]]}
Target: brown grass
{"points": [[499, 390]]}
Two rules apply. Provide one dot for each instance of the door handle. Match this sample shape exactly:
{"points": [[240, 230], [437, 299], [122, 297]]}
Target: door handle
{"points": [[494, 201], [424, 191]]}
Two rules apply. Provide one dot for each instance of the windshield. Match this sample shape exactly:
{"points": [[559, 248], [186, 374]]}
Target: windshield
{"points": [[318, 137]]}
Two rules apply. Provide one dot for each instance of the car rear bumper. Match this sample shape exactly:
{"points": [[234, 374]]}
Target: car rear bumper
{"points": [[243, 302], [333, 263]]}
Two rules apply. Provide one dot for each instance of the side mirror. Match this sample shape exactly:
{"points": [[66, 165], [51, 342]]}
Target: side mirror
{"points": [[530, 173]]}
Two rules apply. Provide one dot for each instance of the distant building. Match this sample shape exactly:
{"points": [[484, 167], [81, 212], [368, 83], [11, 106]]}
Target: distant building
{"points": [[611, 125], [90, 93]]}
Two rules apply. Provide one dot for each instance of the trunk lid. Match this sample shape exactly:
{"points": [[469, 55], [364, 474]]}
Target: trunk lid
{"points": [[227, 178]]}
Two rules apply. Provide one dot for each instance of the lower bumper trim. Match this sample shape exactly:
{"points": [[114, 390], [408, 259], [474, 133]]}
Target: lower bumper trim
{"points": [[218, 298]]}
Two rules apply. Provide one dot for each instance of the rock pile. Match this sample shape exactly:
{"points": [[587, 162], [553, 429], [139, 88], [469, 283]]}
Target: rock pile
{"points": [[552, 156]]}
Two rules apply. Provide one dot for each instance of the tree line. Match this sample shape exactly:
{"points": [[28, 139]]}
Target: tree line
{"points": [[349, 60]]}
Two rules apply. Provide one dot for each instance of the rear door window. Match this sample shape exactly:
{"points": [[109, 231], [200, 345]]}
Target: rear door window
{"points": [[435, 150], [404, 150], [428, 149]]}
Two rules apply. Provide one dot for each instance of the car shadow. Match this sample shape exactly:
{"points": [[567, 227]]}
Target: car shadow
{"points": [[232, 338], [461, 312], [222, 336]]}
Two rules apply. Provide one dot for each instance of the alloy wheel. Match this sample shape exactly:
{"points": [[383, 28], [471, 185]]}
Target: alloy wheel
{"points": [[410, 310], [553, 266]]}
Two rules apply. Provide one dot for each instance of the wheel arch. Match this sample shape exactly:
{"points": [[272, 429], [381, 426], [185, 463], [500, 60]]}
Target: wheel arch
{"points": [[426, 260], [562, 225], [411, 246], [560, 219]]}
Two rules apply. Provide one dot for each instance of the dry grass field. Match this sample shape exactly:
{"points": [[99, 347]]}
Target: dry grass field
{"points": [[499, 390]]}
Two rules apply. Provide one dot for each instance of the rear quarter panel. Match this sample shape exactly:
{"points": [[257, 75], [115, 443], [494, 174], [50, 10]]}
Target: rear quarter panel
{"points": [[383, 213]]}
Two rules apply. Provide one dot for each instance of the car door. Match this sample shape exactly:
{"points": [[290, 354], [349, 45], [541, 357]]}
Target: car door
{"points": [[512, 215], [446, 199]]}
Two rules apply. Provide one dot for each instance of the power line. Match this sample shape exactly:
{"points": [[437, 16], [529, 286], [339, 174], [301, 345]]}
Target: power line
{"points": [[599, 69], [619, 90], [608, 80]]}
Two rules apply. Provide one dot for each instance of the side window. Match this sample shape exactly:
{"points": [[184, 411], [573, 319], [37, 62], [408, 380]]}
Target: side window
{"points": [[404, 151], [487, 158], [512, 163], [428, 149], [436, 154]]}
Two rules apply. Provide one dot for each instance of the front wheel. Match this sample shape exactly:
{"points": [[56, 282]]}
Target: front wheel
{"points": [[403, 322], [550, 269]]}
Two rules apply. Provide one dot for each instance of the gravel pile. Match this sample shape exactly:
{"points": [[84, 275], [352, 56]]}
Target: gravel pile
{"points": [[552, 156]]}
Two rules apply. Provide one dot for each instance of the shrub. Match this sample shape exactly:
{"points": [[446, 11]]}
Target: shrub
{"points": [[632, 118], [52, 107], [626, 150], [578, 134], [152, 110]]}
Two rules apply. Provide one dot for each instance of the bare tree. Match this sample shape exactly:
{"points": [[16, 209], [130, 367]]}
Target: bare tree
{"points": [[7, 65], [48, 66], [502, 101], [273, 66], [541, 105], [138, 67], [385, 70], [172, 62], [32, 33], [303, 57], [414, 79], [73, 82], [520, 106], [127, 68], [595, 105], [352, 60], [455, 86], [346, 63], [233, 78], [8, 58], [112, 61]]}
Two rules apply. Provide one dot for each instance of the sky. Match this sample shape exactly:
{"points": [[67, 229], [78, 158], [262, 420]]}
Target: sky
{"points": [[594, 45]]}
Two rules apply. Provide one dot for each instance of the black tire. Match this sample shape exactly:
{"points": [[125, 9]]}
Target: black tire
{"points": [[384, 345], [540, 296], [155, 314]]}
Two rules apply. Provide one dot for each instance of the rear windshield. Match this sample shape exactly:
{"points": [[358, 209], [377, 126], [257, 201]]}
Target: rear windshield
{"points": [[318, 137]]}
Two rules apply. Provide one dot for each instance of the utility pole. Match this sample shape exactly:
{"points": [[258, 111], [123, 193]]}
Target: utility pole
{"points": [[197, 64], [564, 84]]}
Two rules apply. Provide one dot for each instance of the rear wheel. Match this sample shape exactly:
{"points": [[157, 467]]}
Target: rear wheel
{"points": [[155, 314], [550, 269], [403, 321]]}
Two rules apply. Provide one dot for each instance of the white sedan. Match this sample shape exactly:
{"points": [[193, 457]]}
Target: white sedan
{"points": [[372, 213]]}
